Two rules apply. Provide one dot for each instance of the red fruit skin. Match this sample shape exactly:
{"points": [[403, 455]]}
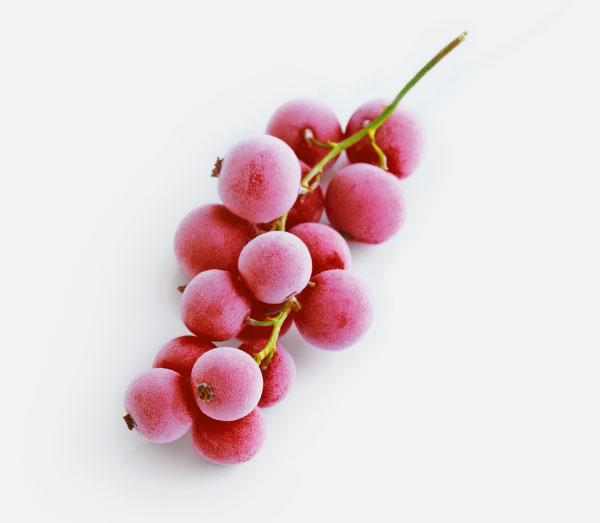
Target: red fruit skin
{"points": [[274, 266], [259, 179], [214, 305], [399, 137], [229, 442], [181, 353], [211, 237], [160, 404], [278, 376], [259, 312], [291, 120], [365, 202], [336, 312], [235, 380], [308, 207], [327, 247]]}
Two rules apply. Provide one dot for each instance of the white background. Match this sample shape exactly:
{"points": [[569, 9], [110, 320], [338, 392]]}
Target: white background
{"points": [[473, 398]]}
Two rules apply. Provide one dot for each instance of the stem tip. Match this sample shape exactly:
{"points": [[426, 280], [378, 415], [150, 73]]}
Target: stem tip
{"points": [[131, 424], [217, 168]]}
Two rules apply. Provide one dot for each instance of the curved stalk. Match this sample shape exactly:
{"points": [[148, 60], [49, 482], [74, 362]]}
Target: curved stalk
{"points": [[337, 148], [267, 353]]}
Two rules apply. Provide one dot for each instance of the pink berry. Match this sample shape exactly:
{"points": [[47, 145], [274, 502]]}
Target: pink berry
{"points": [[293, 119], [214, 305], [259, 179], [226, 383], [399, 137], [211, 237], [336, 312], [275, 266], [229, 442], [365, 203], [279, 374], [327, 247], [309, 206], [159, 405], [181, 353], [261, 311]]}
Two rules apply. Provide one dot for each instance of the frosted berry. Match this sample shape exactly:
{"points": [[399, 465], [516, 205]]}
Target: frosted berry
{"points": [[278, 375], [226, 383], [181, 353], [327, 247], [365, 203], [275, 266], [159, 405], [259, 179], [229, 442], [211, 237], [214, 305], [336, 312]]}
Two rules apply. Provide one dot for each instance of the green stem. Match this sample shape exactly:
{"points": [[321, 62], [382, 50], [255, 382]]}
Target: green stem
{"points": [[256, 323], [281, 222], [377, 122], [278, 224], [380, 153], [310, 138], [271, 345]]}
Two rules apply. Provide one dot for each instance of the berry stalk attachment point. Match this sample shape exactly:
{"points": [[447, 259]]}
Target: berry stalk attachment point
{"points": [[295, 303], [267, 353], [257, 323], [310, 138], [380, 153], [276, 225]]}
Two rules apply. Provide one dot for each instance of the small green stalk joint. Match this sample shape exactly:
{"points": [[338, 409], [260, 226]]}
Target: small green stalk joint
{"points": [[278, 224], [295, 303], [380, 153], [265, 363], [257, 323], [308, 186], [281, 222], [311, 140], [263, 357]]}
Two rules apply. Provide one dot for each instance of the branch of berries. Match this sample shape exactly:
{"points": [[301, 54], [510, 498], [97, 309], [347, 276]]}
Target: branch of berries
{"points": [[262, 261]]}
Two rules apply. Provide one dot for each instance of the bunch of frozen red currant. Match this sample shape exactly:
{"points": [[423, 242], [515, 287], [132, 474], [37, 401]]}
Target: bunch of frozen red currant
{"points": [[261, 260]]}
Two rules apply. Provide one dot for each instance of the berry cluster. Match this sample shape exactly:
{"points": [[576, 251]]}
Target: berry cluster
{"points": [[262, 261]]}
